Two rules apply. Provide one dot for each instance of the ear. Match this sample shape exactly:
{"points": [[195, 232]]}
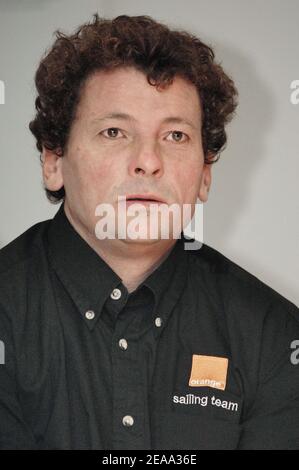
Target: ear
{"points": [[206, 179], [52, 169]]}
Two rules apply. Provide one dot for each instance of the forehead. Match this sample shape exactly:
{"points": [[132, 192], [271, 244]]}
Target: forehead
{"points": [[128, 89]]}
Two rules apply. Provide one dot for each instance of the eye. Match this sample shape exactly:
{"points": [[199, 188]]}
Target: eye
{"points": [[178, 136], [112, 132]]}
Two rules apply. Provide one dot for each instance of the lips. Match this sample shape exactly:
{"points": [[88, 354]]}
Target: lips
{"points": [[144, 197]]}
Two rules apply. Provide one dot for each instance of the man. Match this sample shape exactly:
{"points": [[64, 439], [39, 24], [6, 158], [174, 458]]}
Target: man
{"points": [[137, 343]]}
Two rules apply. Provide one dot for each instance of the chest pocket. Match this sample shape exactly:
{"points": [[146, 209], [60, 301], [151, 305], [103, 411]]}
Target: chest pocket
{"points": [[197, 418]]}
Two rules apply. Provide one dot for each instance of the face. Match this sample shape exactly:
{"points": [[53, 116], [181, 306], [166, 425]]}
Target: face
{"points": [[129, 138]]}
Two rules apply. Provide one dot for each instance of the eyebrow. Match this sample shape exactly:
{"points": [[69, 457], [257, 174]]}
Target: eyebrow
{"points": [[128, 117]]}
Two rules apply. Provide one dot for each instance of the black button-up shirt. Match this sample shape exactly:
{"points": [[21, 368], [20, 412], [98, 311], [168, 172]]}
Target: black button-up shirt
{"points": [[200, 356]]}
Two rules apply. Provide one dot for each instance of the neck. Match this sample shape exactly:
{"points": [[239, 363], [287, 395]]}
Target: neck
{"points": [[132, 260]]}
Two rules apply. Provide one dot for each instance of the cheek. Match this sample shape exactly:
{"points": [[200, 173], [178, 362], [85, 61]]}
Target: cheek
{"points": [[188, 178], [87, 168], [99, 174]]}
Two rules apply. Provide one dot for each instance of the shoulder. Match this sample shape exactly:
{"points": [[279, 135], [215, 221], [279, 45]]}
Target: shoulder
{"points": [[259, 320], [243, 293], [22, 250]]}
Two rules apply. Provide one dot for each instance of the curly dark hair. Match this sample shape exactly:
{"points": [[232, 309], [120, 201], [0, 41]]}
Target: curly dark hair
{"points": [[138, 41]]}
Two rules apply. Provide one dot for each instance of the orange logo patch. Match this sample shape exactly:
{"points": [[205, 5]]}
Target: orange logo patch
{"points": [[208, 371]]}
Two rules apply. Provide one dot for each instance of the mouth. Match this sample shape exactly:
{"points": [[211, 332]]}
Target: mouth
{"points": [[144, 198]]}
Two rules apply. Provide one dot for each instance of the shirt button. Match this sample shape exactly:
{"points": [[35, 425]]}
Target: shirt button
{"points": [[123, 343], [90, 315], [115, 294], [128, 420], [158, 321]]}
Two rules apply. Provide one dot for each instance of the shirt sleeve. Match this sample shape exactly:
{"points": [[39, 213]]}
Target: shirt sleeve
{"points": [[14, 432], [273, 420]]}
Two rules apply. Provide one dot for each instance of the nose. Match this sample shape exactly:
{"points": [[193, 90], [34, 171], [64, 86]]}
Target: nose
{"points": [[146, 161]]}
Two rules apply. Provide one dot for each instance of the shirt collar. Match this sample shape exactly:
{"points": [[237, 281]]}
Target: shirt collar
{"points": [[90, 280]]}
